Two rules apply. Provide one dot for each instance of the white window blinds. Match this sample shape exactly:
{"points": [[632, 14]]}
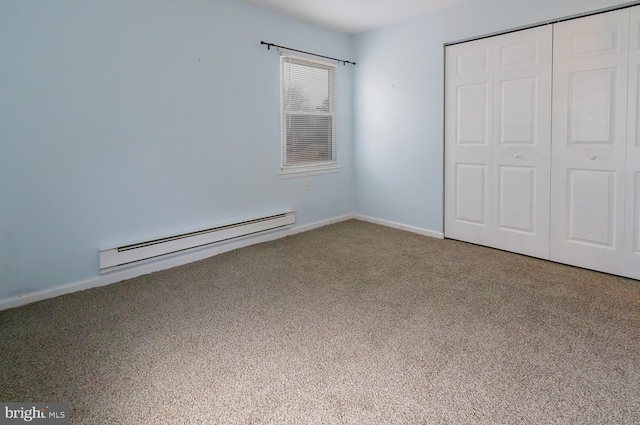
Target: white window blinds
{"points": [[308, 113]]}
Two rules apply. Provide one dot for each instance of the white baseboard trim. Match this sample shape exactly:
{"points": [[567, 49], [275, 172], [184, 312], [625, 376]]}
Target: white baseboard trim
{"points": [[163, 264], [317, 224], [400, 226]]}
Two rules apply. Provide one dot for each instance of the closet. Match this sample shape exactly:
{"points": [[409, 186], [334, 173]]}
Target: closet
{"points": [[542, 142]]}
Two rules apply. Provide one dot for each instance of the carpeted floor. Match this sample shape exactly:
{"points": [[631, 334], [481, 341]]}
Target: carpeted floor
{"points": [[352, 323]]}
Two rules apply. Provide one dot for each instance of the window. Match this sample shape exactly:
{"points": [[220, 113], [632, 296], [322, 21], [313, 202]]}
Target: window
{"points": [[308, 115]]}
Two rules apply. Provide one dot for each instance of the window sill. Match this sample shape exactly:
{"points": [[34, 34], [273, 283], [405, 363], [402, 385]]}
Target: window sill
{"points": [[312, 171]]}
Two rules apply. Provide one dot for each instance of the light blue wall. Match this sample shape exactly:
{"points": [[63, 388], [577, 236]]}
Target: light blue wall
{"points": [[398, 99], [126, 120]]}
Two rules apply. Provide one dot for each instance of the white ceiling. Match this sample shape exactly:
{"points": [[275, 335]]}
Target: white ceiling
{"points": [[356, 16]]}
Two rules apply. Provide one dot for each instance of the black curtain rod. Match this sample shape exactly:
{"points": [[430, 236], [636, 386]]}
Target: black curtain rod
{"points": [[344, 62]]}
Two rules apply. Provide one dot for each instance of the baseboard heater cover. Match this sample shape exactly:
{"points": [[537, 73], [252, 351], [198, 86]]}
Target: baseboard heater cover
{"points": [[133, 253]]}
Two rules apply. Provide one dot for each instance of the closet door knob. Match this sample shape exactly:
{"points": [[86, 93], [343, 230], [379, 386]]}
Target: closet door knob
{"points": [[515, 155], [593, 157]]}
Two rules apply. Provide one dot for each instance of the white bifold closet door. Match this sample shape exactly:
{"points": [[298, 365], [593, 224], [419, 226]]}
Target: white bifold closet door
{"points": [[590, 71], [498, 131], [543, 158], [632, 217]]}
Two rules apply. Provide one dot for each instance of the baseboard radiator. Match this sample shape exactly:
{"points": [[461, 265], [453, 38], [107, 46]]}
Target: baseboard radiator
{"points": [[133, 253]]}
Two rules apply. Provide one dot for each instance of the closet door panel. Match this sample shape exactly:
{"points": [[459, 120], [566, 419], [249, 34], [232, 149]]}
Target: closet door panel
{"points": [[590, 105], [589, 141], [516, 199], [468, 135], [597, 228], [521, 142], [632, 219], [471, 193]]}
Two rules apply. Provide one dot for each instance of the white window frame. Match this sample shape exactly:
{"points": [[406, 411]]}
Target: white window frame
{"points": [[319, 167]]}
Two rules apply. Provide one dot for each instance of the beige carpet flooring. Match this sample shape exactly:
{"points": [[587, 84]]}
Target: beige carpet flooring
{"points": [[352, 323]]}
